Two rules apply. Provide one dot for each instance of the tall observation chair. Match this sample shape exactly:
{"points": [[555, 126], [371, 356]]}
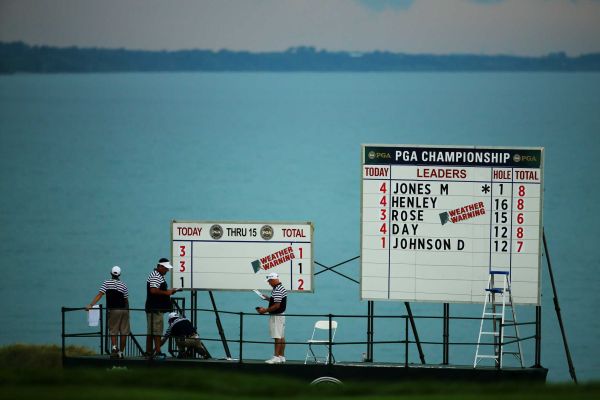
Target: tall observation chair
{"points": [[320, 337]]}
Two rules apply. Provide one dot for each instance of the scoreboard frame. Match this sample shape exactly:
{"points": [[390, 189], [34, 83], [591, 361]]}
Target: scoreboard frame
{"points": [[238, 255], [427, 280]]}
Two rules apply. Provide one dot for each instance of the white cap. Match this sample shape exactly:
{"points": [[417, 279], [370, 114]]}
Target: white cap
{"points": [[272, 275], [116, 271], [173, 315], [166, 264]]}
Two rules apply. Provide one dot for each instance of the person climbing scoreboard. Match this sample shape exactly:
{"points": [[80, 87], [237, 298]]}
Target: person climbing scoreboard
{"points": [[239, 255], [436, 219]]}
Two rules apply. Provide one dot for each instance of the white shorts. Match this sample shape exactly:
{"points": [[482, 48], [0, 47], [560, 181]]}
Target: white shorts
{"points": [[277, 326]]}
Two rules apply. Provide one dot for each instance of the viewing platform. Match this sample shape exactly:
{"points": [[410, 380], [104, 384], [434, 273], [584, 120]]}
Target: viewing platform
{"points": [[308, 370]]}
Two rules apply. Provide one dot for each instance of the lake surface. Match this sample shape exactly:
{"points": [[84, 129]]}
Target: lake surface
{"points": [[94, 167]]}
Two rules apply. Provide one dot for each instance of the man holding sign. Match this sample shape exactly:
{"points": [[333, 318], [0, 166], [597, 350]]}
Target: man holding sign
{"points": [[276, 309], [117, 304]]}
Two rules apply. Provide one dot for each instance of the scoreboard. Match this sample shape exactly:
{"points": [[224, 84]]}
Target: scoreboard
{"points": [[436, 219], [239, 256]]}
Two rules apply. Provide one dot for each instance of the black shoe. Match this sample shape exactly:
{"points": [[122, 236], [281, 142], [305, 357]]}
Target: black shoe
{"points": [[159, 355]]}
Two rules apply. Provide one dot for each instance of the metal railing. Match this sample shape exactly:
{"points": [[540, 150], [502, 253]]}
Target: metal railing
{"points": [[134, 348]]}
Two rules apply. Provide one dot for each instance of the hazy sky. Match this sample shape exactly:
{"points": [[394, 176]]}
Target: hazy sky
{"points": [[524, 27]]}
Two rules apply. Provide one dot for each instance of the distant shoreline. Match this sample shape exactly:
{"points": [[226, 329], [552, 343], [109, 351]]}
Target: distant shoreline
{"points": [[19, 57]]}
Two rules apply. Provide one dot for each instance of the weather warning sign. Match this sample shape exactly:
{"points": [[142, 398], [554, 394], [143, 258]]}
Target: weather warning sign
{"points": [[273, 260], [238, 256], [436, 220]]}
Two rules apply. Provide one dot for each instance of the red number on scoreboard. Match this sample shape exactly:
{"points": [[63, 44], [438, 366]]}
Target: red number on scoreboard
{"points": [[181, 266], [383, 229], [383, 214], [383, 188], [182, 251], [520, 243], [520, 232], [300, 284], [383, 201]]}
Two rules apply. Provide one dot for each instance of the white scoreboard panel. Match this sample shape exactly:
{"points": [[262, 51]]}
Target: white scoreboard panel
{"points": [[436, 220], [239, 255]]}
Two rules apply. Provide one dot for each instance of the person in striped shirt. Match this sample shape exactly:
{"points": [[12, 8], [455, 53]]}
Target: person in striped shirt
{"points": [[276, 309], [186, 337], [158, 302], [117, 304]]}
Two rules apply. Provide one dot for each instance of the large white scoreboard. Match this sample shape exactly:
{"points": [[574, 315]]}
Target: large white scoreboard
{"points": [[239, 255], [437, 219]]}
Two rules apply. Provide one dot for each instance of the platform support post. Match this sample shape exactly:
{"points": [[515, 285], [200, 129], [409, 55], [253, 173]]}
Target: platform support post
{"points": [[538, 336], [406, 341], [220, 326], [446, 335], [370, 326], [101, 330], [558, 313], [329, 341], [194, 306], [241, 336], [415, 333], [62, 311]]}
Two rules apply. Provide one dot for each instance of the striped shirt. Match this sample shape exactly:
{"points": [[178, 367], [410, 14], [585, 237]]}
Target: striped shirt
{"points": [[157, 302], [278, 295], [156, 279], [116, 293]]}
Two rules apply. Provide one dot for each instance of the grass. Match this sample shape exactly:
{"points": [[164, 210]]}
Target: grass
{"points": [[27, 356], [35, 372]]}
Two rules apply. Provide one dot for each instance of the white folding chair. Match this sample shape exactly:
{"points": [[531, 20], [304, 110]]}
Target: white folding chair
{"points": [[320, 337]]}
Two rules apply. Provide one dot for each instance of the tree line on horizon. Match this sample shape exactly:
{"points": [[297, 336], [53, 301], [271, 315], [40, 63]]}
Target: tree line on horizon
{"points": [[19, 57]]}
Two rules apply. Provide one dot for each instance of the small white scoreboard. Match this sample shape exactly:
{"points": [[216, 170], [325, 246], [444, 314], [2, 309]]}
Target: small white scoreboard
{"points": [[437, 219], [239, 255]]}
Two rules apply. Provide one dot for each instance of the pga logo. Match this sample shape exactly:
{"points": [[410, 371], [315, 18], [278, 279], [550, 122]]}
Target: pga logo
{"points": [[518, 158], [373, 155]]}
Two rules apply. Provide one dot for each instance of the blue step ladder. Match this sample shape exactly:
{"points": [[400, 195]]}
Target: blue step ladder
{"points": [[497, 300]]}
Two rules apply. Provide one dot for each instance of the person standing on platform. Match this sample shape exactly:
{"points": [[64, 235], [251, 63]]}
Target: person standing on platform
{"points": [[117, 304], [158, 302], [276, 309]]}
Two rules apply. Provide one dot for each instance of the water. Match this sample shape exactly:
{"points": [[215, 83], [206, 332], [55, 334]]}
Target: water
{"points": [[94, 167]]}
